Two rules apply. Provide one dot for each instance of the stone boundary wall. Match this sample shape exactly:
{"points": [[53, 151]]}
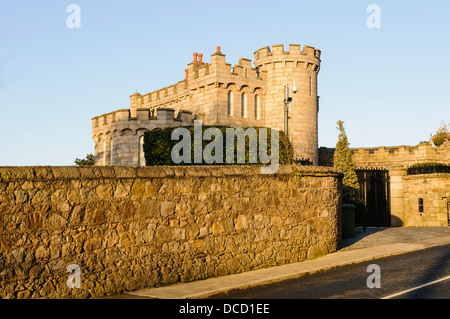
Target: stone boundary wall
{"points": [[434, 189], [129, 228]]}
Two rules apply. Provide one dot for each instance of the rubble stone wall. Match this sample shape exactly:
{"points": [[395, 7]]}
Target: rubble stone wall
{"points": [[129, 228]]}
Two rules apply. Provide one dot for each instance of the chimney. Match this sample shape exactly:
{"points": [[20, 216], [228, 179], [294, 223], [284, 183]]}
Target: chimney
{"points": [[218, 49], [195, 56], [186, 72], [200, 55]]}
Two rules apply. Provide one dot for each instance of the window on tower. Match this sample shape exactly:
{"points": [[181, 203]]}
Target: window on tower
{"points": [[230, 103], [243, 105], [256, 107]]}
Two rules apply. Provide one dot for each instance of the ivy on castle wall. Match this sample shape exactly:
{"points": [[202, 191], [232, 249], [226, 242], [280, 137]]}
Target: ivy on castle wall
{"points": [[158, 146]]}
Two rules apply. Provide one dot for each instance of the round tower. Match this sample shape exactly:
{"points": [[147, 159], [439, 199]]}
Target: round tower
{"points": [[294, 68]]}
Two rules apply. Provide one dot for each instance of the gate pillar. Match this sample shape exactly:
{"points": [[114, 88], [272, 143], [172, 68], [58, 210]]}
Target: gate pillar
{"points": [[396, 174]]}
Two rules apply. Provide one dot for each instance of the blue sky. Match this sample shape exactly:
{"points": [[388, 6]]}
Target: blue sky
{"points": [[390, 85]]}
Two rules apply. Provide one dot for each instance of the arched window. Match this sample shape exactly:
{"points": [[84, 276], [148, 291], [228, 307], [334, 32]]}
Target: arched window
{"points": [[257, 107], [141, 151], [243, 105], [230, 103], [104, 153], [112, 152]]}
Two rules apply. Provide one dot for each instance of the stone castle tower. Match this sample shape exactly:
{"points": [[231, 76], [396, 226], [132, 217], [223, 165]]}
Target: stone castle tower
{"points": [[283, 68], [219, 94]]}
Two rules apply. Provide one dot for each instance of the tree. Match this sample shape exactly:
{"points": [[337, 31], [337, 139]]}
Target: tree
{"points": [[343, 162], [88, 161], [442, 135]]}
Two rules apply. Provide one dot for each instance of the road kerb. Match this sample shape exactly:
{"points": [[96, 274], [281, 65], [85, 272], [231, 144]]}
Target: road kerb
{"points": [[208, 287]]}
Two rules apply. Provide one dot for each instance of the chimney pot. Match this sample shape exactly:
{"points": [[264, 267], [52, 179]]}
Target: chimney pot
{"points": [[186, 72], [200, 56], [218, 49], [195, 57]]}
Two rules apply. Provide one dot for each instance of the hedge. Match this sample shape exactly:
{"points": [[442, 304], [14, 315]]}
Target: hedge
{"points": [[428, 168], [158, 147]]}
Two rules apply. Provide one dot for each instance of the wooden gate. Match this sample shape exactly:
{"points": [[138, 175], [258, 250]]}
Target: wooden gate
{"points": [[374, 191]]}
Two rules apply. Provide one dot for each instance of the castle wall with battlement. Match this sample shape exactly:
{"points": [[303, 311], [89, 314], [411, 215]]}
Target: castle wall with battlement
{"points": [[205, 89], [221, 94], [388, 157], [405, 190], [118, 135]]}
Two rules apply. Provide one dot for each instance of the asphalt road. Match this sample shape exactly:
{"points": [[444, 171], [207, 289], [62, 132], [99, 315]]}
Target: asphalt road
{"points": [[426, 273]]}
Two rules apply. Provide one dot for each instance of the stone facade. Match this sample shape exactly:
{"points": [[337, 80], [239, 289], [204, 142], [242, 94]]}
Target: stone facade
{"points": [[129, 228], [434, 190], [219, 94], [120, 137]]}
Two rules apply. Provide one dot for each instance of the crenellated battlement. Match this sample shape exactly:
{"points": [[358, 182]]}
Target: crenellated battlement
{"points": [[386, 157], [118, 135], [306, 57], [160, 98], [199, 76], [405, 155], [120, 120]]}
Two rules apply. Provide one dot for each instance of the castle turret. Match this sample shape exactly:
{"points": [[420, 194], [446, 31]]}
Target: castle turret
{"points": [[135, 103], [284, 68]]}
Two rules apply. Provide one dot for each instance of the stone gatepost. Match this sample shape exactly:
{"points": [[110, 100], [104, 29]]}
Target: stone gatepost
{"points": [[396, 174]]}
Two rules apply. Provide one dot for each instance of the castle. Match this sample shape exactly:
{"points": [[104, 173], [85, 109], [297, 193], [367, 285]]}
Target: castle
{"points": [[280, 91], [133, 228]]}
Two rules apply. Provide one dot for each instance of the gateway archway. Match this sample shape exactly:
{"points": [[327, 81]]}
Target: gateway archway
{"points": [[374, 191]]}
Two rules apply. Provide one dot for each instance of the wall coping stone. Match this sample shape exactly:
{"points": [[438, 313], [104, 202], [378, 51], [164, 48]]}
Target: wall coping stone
{"points": [[43, 173]]}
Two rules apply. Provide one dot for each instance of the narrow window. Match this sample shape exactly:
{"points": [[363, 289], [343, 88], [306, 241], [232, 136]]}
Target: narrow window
{"points": [[104, 153], [112, 153], [141, 151], [230, 97], [243, 104], [310, 86], [256, 107]]}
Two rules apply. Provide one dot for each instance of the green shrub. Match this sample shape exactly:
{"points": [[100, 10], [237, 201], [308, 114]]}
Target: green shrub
{"points": [[158, 147], [440, 138], [428, 168], [428, 164], [88, 161], [343, 162]]}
